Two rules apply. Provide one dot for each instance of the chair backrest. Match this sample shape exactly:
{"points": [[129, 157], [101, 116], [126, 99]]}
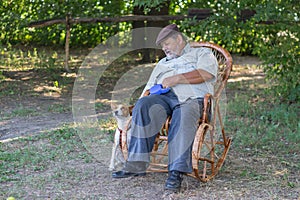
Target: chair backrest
{"points": [[225, 64]]}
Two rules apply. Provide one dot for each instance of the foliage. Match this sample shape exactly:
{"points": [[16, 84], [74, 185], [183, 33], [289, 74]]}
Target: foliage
{"points": [[282, 63], [278, 46], [272, 34], [16, 16], [149, 5], [276, 43]]}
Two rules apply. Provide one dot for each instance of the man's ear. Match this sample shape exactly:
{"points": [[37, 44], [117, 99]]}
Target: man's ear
{"points": [[179, 39]]}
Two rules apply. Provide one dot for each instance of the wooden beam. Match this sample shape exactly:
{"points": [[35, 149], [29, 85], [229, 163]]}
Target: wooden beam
{"points": [[108, 19], [49, 22]]}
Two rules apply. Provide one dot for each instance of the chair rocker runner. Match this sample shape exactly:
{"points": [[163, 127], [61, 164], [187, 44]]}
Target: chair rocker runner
{"points": [[211, 144]]}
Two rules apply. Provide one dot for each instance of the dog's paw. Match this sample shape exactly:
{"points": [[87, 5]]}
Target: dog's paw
{"points": [[111, 168]]}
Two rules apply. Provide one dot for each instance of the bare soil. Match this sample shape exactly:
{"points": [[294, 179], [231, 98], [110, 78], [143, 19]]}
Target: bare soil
{"points": [[268, 181]]}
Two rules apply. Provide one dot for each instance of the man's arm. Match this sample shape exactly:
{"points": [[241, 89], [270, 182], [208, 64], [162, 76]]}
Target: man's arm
{"points": [[193, 77]]}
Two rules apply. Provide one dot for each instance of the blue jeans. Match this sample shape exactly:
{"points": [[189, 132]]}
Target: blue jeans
{"points": [[149, 115]]}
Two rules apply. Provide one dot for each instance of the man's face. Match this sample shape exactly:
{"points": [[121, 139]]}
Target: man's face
{"points": [[171, 47]]}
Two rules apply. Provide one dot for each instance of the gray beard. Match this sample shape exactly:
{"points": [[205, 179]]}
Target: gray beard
{"points": [[170, 57]]}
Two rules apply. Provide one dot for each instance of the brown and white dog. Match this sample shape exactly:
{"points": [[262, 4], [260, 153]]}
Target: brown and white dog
{"points": [[122, 115]]}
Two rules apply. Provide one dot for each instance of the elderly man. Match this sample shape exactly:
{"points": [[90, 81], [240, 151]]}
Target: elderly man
{"points": [[186, 74]]}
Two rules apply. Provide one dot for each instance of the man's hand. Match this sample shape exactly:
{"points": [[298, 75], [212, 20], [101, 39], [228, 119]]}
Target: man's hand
{"points": [[170, 81]]}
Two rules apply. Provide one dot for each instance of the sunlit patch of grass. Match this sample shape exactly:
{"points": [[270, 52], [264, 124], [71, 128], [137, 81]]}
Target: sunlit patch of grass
{"points": [[21, 59], [25, 70], [108, 124], [257, 120]]}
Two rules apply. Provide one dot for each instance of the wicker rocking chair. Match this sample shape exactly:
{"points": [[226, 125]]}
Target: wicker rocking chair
{"points": [[211, 144]]}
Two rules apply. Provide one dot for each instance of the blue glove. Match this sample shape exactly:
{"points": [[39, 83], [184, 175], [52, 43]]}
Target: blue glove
{"points": [[158, 89]]}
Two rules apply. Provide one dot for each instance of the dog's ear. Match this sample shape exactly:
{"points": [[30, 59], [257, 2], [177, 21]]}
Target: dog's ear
{"points": [[114, 106], [130, 109]]}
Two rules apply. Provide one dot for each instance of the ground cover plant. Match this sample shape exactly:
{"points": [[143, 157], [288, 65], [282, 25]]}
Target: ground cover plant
{"points": [[49, 160]]}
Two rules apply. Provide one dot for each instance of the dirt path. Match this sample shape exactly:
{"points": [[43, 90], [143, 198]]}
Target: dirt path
{"points": [[23, 126]]}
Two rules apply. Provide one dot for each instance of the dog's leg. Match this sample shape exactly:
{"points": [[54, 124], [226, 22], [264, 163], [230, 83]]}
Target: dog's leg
{"points": [[114, 150], [112, 159], [120, 161]]}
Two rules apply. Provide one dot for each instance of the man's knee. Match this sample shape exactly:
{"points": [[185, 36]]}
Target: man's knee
{"points": [[142, 102], [191, 110], [147, 102]]}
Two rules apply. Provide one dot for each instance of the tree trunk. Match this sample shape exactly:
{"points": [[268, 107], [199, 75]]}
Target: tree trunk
{"points": [[137, 39], [151, 38], [67, 44]]}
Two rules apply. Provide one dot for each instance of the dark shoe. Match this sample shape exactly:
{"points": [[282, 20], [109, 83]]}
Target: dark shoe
{"points": [[135, 168], [125, 174], [174, 181]]}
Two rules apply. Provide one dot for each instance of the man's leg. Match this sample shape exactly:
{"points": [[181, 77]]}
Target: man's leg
{"points": [[149, 114], [185, 119]]}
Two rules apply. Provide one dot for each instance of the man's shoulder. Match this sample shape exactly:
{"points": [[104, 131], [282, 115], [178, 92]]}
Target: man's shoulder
{"points": [[191, 47], [201, 49], [163, 60], [197, 51]]}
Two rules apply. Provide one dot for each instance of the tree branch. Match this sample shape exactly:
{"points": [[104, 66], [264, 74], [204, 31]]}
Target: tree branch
{"points": [[108, 19]]}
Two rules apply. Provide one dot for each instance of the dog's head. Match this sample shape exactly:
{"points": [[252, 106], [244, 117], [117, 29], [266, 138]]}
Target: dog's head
{"points": [[121, 111]]}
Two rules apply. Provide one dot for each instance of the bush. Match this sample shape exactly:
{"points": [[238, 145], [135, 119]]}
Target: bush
{"points": [[281, 57], [272, 33], [17, 15]]}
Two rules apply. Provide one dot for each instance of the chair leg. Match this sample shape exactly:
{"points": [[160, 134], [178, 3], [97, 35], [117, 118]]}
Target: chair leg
{"points": [[208, 154]]}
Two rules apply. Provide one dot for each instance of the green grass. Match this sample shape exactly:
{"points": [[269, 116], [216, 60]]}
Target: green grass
{"points": [[58, 108], [62, 144], [22, 160], [19, 111], [264, 125], [22, 111]]}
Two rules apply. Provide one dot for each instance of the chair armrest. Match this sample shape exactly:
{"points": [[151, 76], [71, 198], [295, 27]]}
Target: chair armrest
{"points": [[146, 93], [206, 107]]}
